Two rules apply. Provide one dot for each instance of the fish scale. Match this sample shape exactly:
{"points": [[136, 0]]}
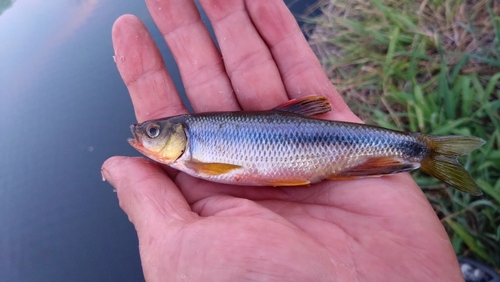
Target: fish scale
{"points": [[281, 146]]}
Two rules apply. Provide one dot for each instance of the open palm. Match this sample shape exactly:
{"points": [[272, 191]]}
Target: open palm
{"points": [[189, 229]]}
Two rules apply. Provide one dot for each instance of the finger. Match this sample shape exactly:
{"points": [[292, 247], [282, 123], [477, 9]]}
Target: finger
{"points": [[145, 193], [300, 70], [200, 63], [248, 62], [195, 189], [142, 69], [223, 205]]}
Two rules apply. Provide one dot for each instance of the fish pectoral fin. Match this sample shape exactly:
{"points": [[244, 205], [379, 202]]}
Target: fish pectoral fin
{"points": [[211, 168], [288, 182], [373, 167], [306, 106]]}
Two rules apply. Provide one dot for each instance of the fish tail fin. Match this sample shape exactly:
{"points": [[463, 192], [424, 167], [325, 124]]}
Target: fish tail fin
{"points": [[441, 162]]}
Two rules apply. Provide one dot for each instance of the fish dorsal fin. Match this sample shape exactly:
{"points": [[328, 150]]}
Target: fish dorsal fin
{"points": [[376, 167], [306, 106]]}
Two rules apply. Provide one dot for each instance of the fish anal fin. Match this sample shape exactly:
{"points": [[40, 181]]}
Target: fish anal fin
{"points": [[306, 106], [288, 182], [211, 168], [373, 167], [338, 177]]}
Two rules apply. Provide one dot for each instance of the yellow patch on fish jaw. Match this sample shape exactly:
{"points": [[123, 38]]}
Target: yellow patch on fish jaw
{"points": [[175, 145], [210, 168], [166, 146]]}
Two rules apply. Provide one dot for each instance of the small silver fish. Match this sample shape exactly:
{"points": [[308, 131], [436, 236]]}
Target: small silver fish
{"points": [[286, 147]]}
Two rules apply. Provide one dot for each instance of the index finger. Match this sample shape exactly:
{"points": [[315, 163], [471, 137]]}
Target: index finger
{"points": [[142, 69]]}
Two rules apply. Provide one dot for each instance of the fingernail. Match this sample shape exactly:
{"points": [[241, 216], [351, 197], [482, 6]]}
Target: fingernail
{"points": [[102, 175], [107, 169]]}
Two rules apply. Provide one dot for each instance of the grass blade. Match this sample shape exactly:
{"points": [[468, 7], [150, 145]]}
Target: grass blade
{"points": [[468, 240]]}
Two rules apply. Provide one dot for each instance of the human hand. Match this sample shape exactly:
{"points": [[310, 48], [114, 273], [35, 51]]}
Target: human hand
{"points": [[190, 229]]}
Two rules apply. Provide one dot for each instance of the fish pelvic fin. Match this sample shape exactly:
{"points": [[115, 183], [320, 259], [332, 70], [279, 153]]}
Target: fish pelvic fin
{"points": [[288, 182], [441, 161], [306, 106]]}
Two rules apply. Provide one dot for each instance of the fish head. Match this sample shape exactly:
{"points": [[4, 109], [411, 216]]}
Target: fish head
{"points": [[160, 140]]}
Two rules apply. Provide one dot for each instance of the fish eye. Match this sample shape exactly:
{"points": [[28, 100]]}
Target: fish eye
{"points": [[153, 130]]}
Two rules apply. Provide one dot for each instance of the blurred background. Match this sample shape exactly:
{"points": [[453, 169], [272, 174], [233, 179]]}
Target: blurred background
{"points": [[64, 110]]}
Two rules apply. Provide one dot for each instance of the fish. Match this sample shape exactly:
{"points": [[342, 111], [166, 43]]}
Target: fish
{"points": [[288, 146]]}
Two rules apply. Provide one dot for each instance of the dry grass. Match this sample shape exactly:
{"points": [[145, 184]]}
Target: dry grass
{"points": [[353, 36]]}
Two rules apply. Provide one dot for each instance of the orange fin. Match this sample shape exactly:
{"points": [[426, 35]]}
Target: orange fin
{"points": [[288, 182], [376, 167], [211, 168], [338, 177], [306, 106]]}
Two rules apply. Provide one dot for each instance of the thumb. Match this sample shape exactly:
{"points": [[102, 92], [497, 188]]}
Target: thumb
{"points": [[146, 194]]}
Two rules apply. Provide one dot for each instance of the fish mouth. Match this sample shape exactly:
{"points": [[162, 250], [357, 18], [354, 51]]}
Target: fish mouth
{"points": [[134, 142]]}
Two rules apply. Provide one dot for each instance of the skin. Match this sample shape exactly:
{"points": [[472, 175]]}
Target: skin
{"points": [[375, 229]]}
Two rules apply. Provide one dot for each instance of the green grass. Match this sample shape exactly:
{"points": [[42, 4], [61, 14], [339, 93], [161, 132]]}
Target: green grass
{"points": [[432, 67]]}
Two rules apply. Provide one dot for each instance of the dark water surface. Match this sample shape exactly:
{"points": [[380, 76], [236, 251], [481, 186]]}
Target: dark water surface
{"points": [[63, 111]]}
